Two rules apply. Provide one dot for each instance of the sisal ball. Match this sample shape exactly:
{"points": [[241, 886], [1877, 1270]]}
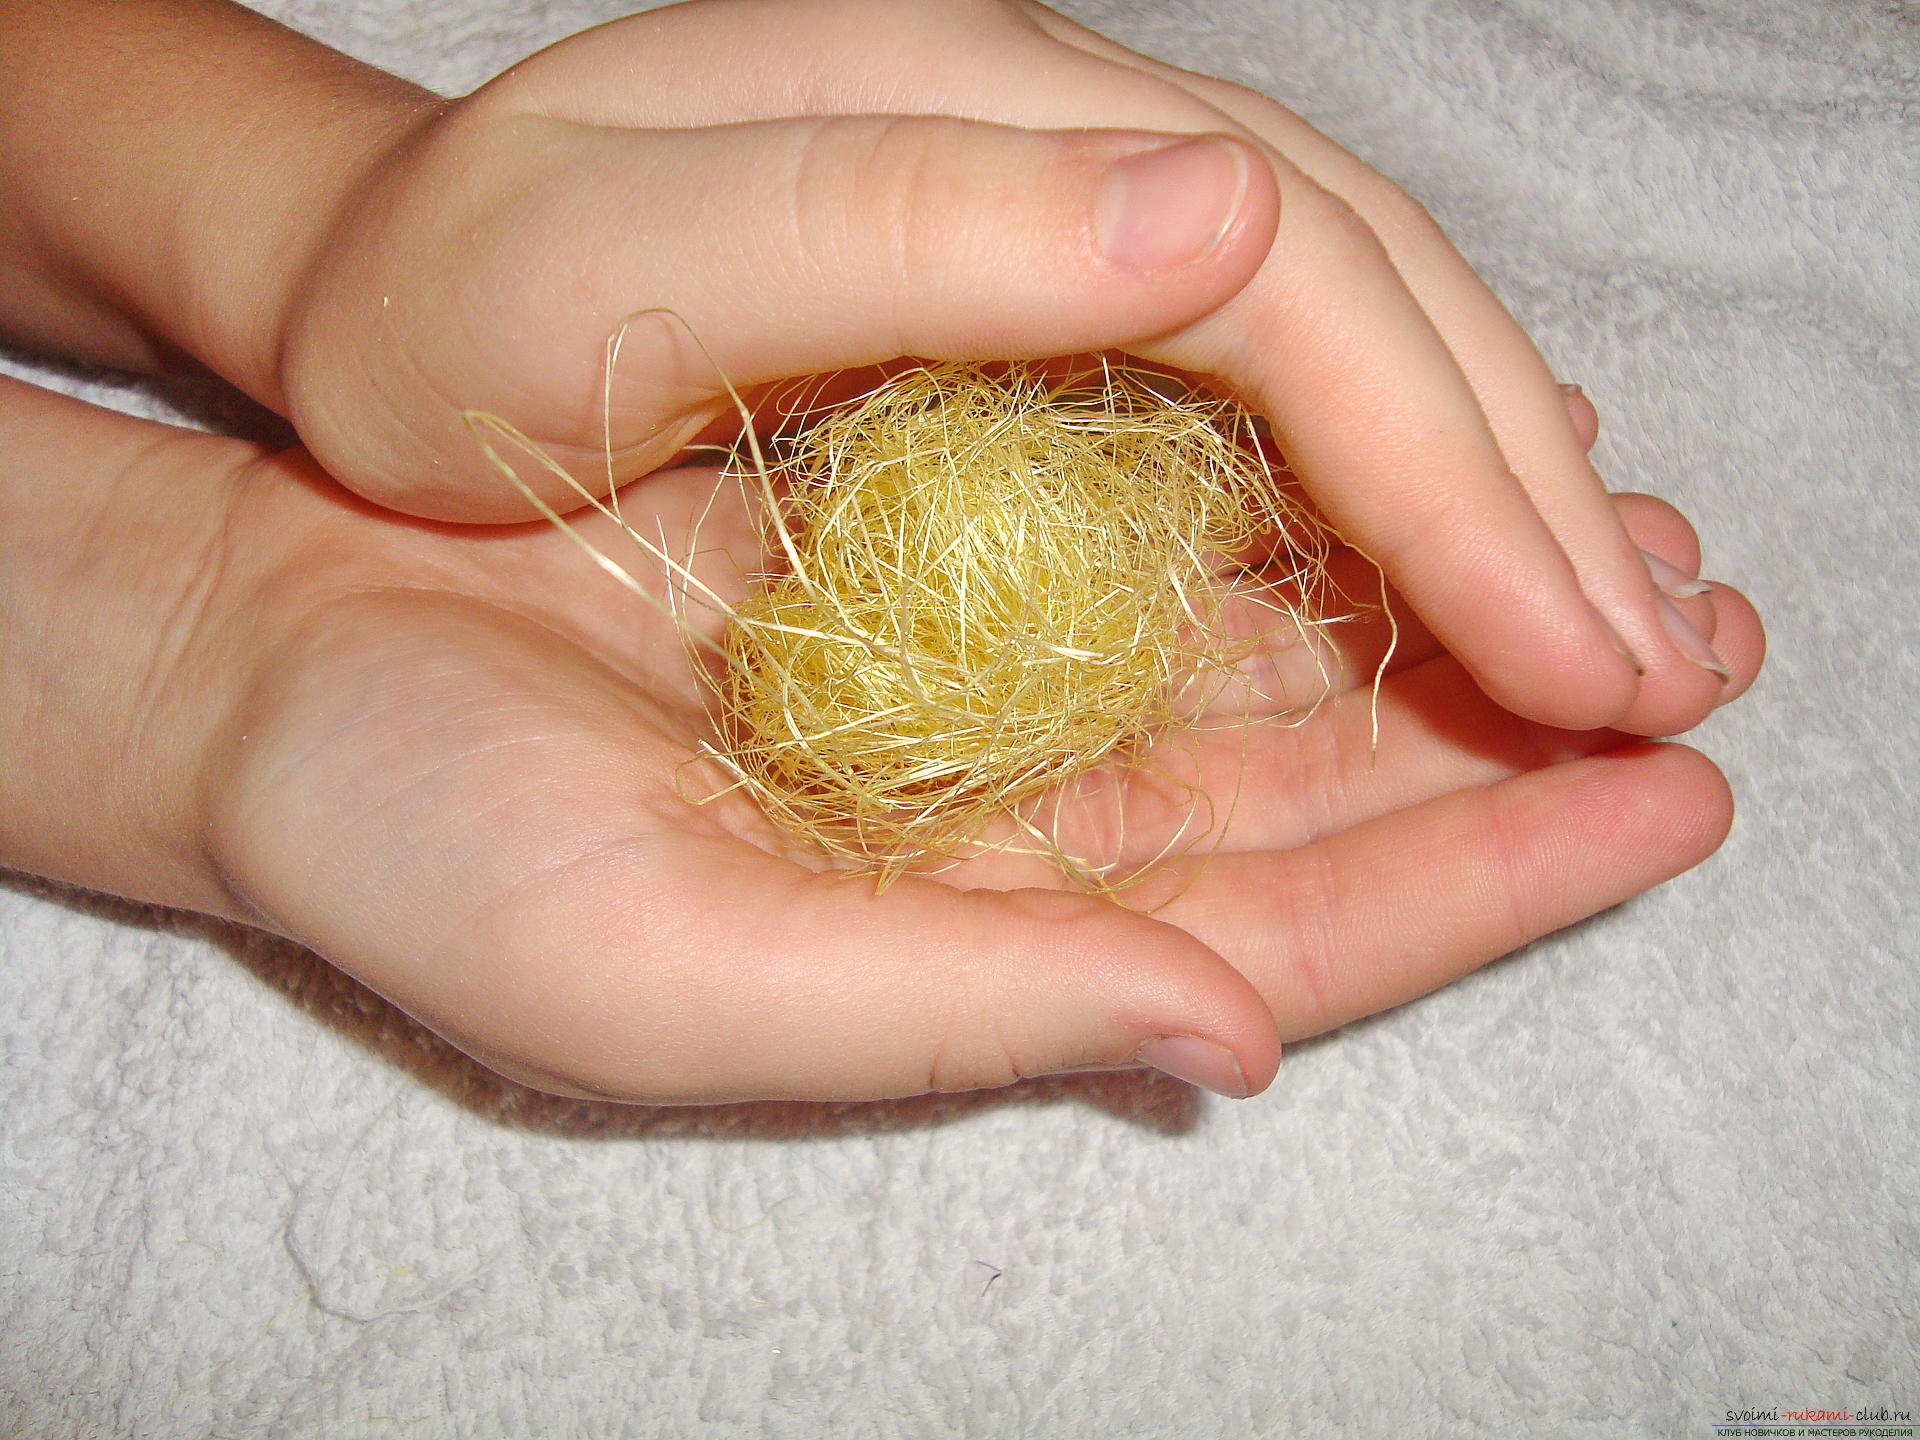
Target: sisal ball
{"points": [[984, 583]]}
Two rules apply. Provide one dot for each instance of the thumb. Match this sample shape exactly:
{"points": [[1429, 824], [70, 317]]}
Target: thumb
{"points": [[807, 986], [788, 247]]}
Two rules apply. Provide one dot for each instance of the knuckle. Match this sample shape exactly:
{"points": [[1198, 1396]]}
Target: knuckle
{"points": [[1240, 100], [955, 1067], [870, 190], [985, 1038], [1326, 226], [1507, 827], [971, 1049], [1432, 521], [1345, 230], [1318, 954], [1392, 214]]}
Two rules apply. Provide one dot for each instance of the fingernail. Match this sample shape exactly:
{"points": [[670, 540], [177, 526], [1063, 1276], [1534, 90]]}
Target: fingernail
{"points": [[1172, 206], [1196, 1061], [1571, 390], [1687, 640], [1672, 580]]}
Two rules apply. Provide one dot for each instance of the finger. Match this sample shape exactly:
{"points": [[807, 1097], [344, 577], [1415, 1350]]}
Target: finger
{"points": [[1429, 732], [1392, 909], [1293, 674], [783, 247], [805, 986], [1384, 636]]}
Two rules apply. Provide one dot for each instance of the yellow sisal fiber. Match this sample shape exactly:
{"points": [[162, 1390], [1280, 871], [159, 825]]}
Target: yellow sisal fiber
{"points": [[980, 584], [993, 584]]}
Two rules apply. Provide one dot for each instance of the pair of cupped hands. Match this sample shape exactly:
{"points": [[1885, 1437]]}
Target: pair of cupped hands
{"points": [[347, 694]]}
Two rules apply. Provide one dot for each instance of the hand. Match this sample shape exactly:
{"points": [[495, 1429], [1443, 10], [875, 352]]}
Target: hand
{"points": [[448, 757], [833, 183], [813, 185]]}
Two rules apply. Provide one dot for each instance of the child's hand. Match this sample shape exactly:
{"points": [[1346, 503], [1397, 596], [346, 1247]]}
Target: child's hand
{"points": [[447, 759], [828, 183]]}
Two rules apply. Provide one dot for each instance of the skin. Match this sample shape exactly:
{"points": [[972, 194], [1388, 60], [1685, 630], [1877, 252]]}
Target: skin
{"points": [[328, 692]]}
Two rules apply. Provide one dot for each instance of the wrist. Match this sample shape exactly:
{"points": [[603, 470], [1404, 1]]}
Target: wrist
{"points": [[172, 170], [119, 658], [237, 287]]}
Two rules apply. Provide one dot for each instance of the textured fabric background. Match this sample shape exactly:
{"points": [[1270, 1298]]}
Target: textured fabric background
{"points": [[1658, 1167]]}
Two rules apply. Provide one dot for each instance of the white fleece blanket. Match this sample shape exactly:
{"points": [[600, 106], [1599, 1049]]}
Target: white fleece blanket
{"points": [[1660, 1168]]}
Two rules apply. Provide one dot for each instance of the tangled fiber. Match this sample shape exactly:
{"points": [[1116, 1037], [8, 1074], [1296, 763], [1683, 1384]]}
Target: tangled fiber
{"points": [[979, 584]]}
